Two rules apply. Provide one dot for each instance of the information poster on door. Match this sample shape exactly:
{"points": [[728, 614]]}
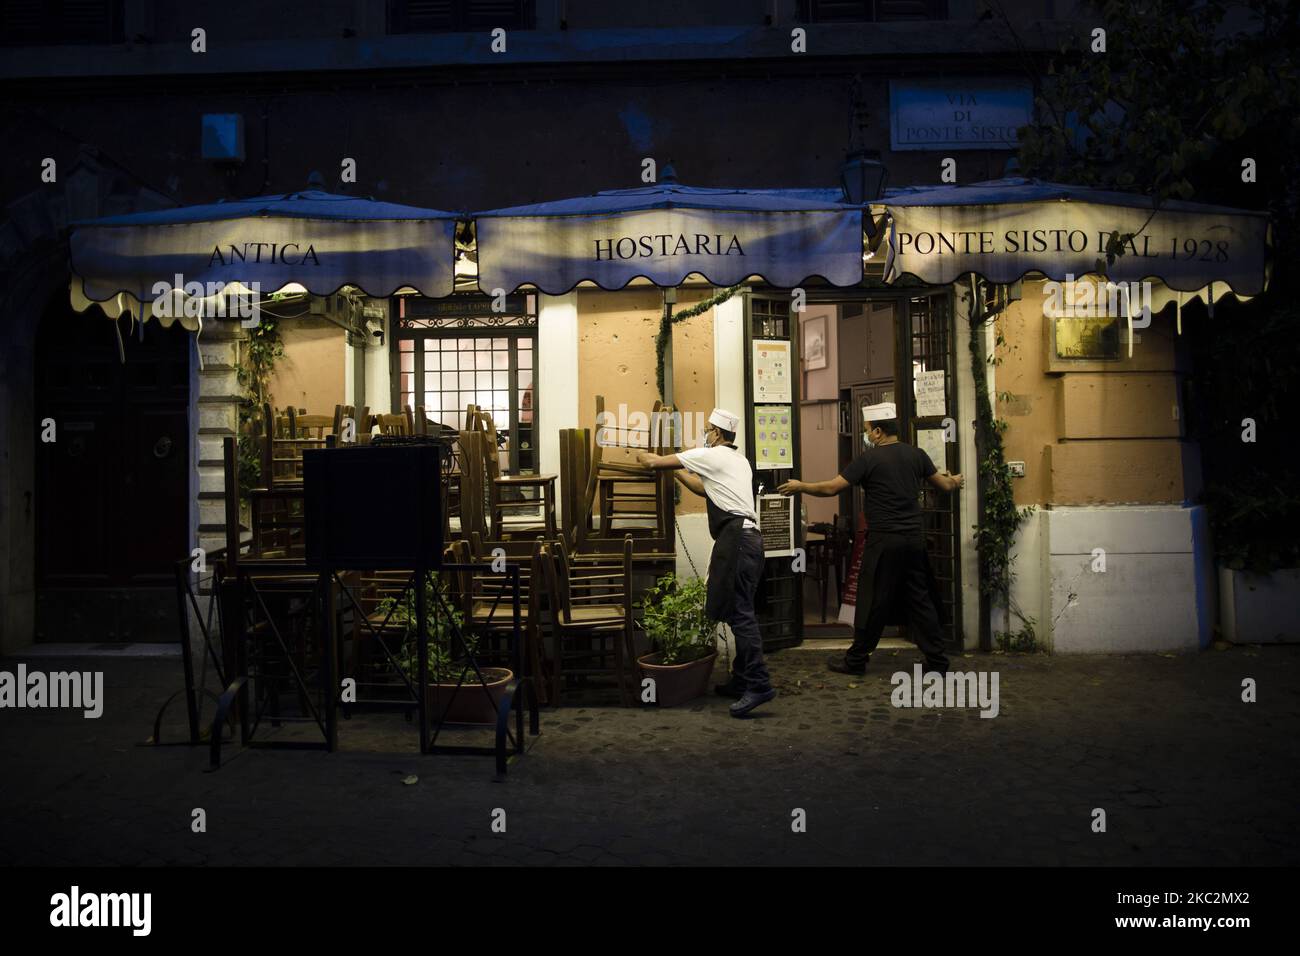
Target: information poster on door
{"points": [[772, 375], [930, 441], [773, 437], [776, 524], [930, 393]]}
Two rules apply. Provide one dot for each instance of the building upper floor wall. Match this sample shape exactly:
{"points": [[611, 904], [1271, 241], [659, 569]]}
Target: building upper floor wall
{"points": [[151, 37]]}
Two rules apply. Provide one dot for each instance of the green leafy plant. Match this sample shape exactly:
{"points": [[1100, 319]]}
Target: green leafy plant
{"points": [[999, 518], [259, 354], [1024, 640], [674, 620], [446, 662]]}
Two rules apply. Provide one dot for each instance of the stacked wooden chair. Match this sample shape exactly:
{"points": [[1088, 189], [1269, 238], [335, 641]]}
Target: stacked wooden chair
{"points": [[591, 620], [606, 500], [508, 511]]}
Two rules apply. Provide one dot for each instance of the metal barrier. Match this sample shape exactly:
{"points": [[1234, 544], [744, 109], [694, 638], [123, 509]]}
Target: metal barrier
{"points": [[251, 629]]}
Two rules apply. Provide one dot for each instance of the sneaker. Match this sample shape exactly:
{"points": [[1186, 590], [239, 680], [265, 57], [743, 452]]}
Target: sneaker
{"points": [[839, 666], [731, 688], [751, 700]]}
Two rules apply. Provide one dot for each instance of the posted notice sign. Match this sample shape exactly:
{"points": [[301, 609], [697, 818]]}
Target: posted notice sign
{"points": [[958, 114], [776, 524]]}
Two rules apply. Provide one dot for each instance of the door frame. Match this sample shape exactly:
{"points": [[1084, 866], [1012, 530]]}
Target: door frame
{"points": [[904, 336]]}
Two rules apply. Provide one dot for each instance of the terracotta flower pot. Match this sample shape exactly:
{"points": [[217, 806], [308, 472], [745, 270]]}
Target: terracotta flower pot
{"points": [[678, 683], [469, 705]]}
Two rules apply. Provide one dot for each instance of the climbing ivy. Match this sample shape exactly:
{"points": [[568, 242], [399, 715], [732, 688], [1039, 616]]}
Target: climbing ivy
{"points": [[258, 357], [999, 517], [666, 323]]}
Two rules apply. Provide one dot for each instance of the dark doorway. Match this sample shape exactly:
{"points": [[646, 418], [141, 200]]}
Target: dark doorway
{"points": [[112, 491]]}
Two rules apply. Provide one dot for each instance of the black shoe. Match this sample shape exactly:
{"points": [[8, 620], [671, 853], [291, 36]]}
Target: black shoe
{"points": [[731, 689], [840, 666], [751, 700]]}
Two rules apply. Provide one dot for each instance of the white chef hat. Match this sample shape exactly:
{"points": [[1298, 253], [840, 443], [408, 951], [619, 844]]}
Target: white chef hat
{"points": [[724, 419], [878, 413]]}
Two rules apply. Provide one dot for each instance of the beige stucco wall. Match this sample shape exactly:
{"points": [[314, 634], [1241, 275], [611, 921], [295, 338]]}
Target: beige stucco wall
{"points": [[616, 358], [1092, 432], [312, 372]]}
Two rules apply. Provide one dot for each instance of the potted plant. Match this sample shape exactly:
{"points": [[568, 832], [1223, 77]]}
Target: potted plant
{"points": [[682, 637], [1258, 560], [447, 665]]}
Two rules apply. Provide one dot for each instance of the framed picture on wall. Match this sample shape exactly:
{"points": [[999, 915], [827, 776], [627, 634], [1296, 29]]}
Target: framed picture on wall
{"points": [[814, 343]]}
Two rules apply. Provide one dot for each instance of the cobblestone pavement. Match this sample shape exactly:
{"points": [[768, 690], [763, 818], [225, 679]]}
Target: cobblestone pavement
{"points": [[1186, 771]]}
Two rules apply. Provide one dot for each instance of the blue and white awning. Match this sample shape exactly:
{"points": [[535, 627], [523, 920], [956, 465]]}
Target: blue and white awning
{"points": [[1006, 229], [310, 240], [666, 232]]}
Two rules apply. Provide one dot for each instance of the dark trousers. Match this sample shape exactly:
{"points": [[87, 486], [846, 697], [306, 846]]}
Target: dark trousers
{"points": [[749, 670], [901, 578]]}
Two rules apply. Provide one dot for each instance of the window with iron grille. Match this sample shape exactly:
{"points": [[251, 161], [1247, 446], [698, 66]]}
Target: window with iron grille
{"points": [[452, 353], [60, 22], [877, 11], [453, 16]]}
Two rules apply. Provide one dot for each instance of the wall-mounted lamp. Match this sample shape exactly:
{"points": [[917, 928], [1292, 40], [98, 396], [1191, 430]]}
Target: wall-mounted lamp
{"points": [[863, 177]]}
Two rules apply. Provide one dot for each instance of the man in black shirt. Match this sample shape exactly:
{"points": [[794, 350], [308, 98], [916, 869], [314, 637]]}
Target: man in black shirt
{"points": [[895, 573]]}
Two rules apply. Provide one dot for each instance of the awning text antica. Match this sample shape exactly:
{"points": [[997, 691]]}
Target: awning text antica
{"points": [[286, 253]]}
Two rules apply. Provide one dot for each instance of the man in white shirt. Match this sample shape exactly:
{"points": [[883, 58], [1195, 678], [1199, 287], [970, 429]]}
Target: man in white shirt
{"points": [[723, 476]]}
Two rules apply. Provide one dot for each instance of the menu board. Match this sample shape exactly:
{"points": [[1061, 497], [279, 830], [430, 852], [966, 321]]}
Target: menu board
{"points": [[773, 437], [776, 524], [772, 381]]}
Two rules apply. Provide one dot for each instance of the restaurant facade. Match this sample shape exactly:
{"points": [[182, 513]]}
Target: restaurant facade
{"points": [[859, 212]]}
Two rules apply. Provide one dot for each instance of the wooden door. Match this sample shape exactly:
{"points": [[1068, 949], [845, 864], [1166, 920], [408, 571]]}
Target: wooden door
{"points": [[112, 489]]}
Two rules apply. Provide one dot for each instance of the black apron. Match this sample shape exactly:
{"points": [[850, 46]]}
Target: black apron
{"points": [[726, 529], [890, 597]]}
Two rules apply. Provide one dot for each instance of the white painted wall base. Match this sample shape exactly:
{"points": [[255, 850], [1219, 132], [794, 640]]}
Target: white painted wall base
{"points": [[1260, 609], [694, 538], [1152, 595]]}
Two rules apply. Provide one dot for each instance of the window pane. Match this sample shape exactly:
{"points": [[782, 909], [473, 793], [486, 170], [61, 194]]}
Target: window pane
{"points": [[501, 343], [483, 360], [408, 361], [447, 345], [448, 380], [524, 344], [406, 345], [465, 345], [483, 345], [466, 380], [525, 378], [430, 345], [500, 379], [407, 383], [431, 361], [524, 359], [500, 359]]}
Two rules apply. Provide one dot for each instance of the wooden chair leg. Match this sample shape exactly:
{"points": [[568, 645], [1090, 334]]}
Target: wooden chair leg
{"points": [[533, 637], [557, 669]]}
